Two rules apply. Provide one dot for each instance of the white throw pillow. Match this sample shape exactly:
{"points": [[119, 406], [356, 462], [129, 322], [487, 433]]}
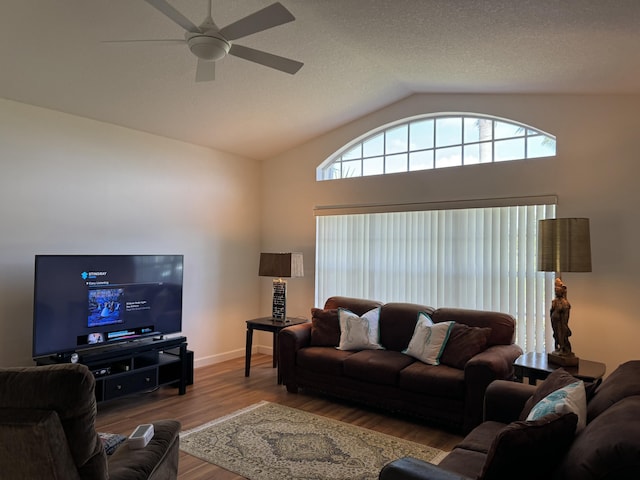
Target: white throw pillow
{"points": [[359, 333], [428, 340], [572, 398]]}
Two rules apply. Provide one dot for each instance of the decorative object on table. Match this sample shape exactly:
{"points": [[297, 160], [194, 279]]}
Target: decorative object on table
{"points": [[268, 441], [279, 265], [564, 245]]}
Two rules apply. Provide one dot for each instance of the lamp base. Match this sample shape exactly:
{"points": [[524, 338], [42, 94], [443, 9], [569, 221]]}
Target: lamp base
{"points": [[564, 360], [279, 309]]}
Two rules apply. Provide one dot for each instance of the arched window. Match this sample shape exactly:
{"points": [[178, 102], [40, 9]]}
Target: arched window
{"points": [[437, 141]]}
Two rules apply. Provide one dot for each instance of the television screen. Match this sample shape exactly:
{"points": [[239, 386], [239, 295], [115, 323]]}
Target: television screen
{"points": [[85, 301]]}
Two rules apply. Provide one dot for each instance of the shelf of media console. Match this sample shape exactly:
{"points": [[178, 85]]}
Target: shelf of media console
{"points": [[136, 366]]}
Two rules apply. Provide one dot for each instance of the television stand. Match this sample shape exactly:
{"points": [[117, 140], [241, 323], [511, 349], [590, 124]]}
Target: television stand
{"points": [[136, 366]]}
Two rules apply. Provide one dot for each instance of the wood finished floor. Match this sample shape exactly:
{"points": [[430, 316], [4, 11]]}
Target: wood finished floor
{"points": [[222, 388]]}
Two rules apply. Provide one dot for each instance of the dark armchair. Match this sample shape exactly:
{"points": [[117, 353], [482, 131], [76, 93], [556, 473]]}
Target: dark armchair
{"points": [[47, 430]]}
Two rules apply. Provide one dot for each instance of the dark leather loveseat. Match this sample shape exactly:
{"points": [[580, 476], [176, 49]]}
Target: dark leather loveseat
{"points": [[449, 394], [607, 448]]}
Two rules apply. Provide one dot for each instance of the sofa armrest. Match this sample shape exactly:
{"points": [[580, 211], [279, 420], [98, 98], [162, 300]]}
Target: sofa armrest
{"points": [[504, 400], [158, 460], [409, 468], [290, 340], [495, 363]]}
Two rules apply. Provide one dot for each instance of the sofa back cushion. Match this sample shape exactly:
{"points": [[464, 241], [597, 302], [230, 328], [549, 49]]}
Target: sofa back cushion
{"points": [[359, 306], [623, 382], [608, 448], [398, 322], [502, 325]]}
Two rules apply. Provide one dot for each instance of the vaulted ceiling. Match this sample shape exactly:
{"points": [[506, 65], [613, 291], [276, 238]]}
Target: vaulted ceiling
{"points": [[359, 55]]}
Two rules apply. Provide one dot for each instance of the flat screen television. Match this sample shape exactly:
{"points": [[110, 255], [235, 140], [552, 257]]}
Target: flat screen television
{"points": [[90, 301]]}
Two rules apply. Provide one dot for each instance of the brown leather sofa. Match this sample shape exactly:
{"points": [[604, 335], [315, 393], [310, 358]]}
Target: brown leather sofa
{"points": [[608, 448], [47, 431], [450, 394]]}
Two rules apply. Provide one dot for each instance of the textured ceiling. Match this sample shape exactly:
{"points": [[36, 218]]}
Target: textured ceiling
{"points": [[359, 55]]}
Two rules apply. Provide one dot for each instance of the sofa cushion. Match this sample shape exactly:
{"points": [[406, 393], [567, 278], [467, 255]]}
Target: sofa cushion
{"points": [[358, 306], [359, 332], [609, 446], [623, 382], [433, 380], [325, 327], [557, 379], [466, 463], [481, 437], [325, 360], [428, 340], [532, 449], [571, 398], [376, 366], [464, 342], [397, 323], [503, 325]]}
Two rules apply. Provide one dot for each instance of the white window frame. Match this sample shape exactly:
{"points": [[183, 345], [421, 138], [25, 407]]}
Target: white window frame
{"points": [[436, 141]]}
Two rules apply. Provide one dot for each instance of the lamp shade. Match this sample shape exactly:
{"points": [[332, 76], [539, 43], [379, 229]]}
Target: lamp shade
{"points": [[564, 245], [281, 265]]}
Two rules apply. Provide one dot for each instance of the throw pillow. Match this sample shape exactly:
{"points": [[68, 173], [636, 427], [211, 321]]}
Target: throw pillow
{"points": [[428, 340], [530, 449], [464, 342], [557, 379], [325, 327], [571, 398], [359, 333]]}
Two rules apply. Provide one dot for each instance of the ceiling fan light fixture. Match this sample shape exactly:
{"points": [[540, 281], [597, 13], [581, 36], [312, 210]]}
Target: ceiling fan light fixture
{"points": [[208, 48]]}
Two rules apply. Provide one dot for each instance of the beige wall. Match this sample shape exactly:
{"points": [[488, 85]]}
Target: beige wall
{"points": [[72, 185], [594, 175]]}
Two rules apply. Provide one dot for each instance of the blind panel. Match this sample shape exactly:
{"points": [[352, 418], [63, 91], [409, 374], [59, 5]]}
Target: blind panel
{"points": [[479, 258]]}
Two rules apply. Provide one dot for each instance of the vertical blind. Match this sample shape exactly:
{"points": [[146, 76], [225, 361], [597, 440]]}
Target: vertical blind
{"points": [[479, 258]]}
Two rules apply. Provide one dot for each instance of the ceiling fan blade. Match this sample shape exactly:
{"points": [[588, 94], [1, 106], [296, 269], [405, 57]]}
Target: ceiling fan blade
{"points": [[160, 41], [271, 16], [174, 15], [206, 70], [267, 59]]}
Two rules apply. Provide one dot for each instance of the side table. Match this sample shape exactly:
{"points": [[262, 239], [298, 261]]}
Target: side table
{"points": [[536, 367], [267, 324]]}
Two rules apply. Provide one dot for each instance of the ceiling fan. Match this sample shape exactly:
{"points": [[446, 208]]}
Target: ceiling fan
{"points": [[210, 43]]}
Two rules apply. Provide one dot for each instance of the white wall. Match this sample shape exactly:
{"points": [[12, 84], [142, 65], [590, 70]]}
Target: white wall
{"points": [[72, 185], [594, 175]]}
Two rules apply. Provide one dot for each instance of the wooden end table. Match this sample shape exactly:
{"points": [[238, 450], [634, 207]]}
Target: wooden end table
{"points": [[267, 324], [536, 367]]}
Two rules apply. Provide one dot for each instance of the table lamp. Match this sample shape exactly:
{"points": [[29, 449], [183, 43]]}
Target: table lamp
{"points": [[564, 245], [279, 265]]}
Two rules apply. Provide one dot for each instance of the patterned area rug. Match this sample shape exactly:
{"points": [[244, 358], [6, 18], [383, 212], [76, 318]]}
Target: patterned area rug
{"points": [[267, 441]]}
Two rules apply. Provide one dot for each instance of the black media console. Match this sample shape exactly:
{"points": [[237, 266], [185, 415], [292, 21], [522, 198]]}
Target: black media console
{"points": [[136, 366]]}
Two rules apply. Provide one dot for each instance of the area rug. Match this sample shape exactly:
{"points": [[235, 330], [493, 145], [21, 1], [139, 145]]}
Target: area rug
{"points": [[267, 441]]}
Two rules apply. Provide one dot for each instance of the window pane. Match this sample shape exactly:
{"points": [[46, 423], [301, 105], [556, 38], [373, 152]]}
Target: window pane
{"points": [[396, 163], [448, 157], [373, 166], [373, 146], [396, 140], [448, 131], [509, 150], [421, 160], [333, 171], [486, 152], [352, 169], [540, 146], [508, 130], [421, 135], [471, 154], [355, 152]]}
